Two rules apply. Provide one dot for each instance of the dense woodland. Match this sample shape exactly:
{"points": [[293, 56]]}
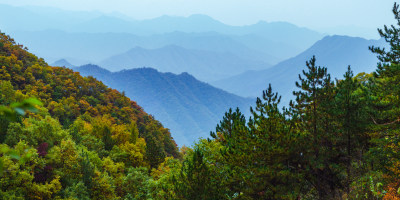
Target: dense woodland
{"points": [[78, 139]]}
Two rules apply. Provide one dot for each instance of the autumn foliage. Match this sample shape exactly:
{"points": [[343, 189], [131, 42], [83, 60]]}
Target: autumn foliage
{"points": [[81, 143]]}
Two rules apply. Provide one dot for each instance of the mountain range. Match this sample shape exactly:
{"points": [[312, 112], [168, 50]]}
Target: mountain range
{"points": [[239, 59], [334, 52], [188, 107], [94, 47], [204, 65], [85, 37]]}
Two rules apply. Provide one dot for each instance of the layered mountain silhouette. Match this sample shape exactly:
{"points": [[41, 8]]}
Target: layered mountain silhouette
{"points": [[94, 47], [334, 52], [190, 108], [204, 65], [93, 36]]}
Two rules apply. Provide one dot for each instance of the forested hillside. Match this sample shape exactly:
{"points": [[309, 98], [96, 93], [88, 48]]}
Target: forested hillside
{"points": [[86, 141]]}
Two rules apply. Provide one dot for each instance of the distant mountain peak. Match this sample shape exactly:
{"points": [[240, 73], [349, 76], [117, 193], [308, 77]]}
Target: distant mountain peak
{"points": [[331, 37], [334, 40], [193, 16], [262, 22], [186, 74], [91, 68], [63, 63], [335, 52], [201, 16]]}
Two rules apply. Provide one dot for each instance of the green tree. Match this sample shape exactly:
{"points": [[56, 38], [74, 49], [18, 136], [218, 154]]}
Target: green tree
{"points": [[384, 106], [136, 183], [314, 106], [261, 155], [87, 170], [107, 139], [154, 153], [195, 180], [351, 119]]}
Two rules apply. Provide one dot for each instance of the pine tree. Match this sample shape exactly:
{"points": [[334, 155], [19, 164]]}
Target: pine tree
{"points": [[87, 170], [154, 152], [352, 121], [107, 139], [195, 180], [234, 135], [314, 106], [392, 36], [384, 104], [275, 152], [261, 154], [384, 86]]}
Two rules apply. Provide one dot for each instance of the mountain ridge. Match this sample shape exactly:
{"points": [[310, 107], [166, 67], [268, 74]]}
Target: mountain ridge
{"points": [[190, 108], [345, 50], [204, 65]]}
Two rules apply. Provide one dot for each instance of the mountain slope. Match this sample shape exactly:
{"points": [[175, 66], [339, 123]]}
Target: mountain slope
{"points": [[279, 49], [190, 108], [334, 52], [205, 65]]}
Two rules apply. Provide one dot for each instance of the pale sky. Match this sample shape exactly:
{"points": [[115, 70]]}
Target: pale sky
{"points": [[314, 14]]}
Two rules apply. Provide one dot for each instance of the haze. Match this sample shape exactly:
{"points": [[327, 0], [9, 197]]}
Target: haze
{"points": [[355, 17]]}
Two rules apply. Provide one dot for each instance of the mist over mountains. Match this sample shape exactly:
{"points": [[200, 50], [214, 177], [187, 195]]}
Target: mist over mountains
{"points": [[92, 36], [205, 65]]}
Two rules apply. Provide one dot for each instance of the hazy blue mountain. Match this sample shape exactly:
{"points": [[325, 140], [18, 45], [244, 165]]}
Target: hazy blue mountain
{"points": [[277, 49], [334, 52], [190, 108], [204, 65], [78, 48], [216, 42], [194, 23], [295, 38], [105, 24], [93, 21], [274, 31], [159, 25], [268, 42], [283, 32], [352, 30], [63, 63], [93, 47]]}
